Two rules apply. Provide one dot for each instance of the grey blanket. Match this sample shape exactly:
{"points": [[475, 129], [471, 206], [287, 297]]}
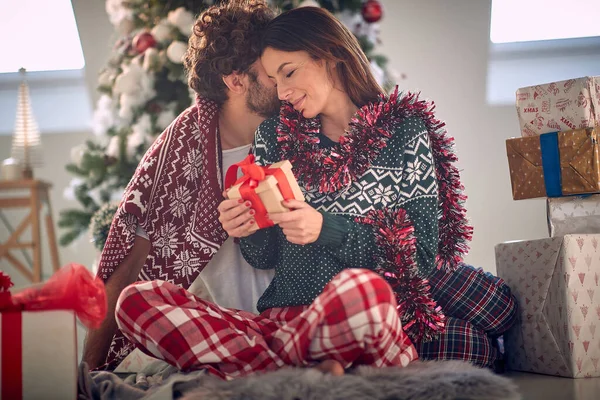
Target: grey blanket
{"points": [[432, 380]]}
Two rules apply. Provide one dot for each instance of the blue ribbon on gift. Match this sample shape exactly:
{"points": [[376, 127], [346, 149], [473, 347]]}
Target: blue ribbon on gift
{"points": [[551, 164]]}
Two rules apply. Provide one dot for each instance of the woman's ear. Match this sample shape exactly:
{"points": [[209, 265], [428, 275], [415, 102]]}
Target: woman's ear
{"points": [[235, 82]]}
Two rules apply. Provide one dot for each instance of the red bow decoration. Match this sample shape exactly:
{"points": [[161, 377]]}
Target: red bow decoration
{"points": [[5, 285], [72, 287], [253, 175]]}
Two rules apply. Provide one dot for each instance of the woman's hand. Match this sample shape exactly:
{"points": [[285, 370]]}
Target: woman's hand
{"points": [[301, 225], [237, 217]]}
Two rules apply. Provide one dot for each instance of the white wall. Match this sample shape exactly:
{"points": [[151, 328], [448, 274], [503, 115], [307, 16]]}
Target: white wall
{"points": [[442, 47]]}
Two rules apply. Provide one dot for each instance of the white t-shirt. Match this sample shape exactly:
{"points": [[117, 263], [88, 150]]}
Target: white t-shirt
{"points": [[228, 279]]}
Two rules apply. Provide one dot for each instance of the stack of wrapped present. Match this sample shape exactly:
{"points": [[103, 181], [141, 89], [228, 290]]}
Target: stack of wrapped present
{"points": [[556, 280]]}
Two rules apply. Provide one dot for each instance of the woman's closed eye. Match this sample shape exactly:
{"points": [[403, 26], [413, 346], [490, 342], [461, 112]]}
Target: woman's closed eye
{"points": [[290, 74]]}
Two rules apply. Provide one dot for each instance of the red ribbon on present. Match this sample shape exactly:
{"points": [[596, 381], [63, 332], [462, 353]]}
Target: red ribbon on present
{"points": [[253, 174], [72, 287]]}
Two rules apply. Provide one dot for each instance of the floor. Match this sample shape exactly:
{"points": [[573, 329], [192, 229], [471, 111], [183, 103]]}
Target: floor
{"points": [[544, 387]]}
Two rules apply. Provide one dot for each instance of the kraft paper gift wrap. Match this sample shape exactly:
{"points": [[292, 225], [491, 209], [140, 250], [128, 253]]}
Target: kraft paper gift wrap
{"points": [[554, 164], [38, 355], [556, 282], [559, 106], [573, 214], [268, 188]]}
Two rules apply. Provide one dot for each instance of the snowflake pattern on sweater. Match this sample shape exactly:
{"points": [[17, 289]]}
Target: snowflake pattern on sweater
{"points": [[401, 177]]}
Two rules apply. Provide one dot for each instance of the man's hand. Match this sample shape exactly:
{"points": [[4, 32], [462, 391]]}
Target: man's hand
{"points": [[237, 217], [301, 225]]}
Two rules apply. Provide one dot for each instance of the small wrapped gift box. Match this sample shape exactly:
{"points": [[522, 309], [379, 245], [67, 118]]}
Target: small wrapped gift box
{"points": [[559, 106], [38, 340], [265, 187], [556, 282], [554, 164], [573, 214]]}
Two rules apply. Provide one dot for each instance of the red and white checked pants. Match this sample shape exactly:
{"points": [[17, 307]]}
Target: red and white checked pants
{"points": [[354, 321]]}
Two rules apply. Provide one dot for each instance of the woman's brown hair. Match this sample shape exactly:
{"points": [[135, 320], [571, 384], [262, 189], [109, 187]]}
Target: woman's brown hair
{"points": [[316, 31]]}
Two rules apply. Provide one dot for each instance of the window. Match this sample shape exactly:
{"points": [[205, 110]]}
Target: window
{"points": [[532, 20], [39, 35], [540, 41], [42, 37]]}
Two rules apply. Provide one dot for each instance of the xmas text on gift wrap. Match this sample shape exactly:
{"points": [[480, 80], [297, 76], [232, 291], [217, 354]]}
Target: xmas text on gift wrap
{"points": [[559, 106], [264, 187]]}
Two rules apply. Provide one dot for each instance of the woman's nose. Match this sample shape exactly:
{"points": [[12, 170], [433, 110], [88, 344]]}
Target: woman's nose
{"points": [[283, 93]]}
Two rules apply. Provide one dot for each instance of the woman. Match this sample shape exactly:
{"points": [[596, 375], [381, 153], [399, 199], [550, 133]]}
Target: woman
{"points": [[372, 168], [376, 174]]}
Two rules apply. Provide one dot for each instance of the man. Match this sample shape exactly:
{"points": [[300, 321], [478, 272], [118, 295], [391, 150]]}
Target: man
{"points": [[167, 224]]}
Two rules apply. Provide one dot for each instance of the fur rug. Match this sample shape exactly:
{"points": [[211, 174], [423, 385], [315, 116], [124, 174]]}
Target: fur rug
{"points": [[430, 380]]}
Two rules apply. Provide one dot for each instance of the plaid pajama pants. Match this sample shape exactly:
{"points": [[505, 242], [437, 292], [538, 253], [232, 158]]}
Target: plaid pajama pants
{"points": [[352, 321], [479, 307]]}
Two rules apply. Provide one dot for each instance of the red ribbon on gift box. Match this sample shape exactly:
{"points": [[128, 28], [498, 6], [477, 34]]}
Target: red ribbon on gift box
{"points": [[253, 174], [72, 287]]}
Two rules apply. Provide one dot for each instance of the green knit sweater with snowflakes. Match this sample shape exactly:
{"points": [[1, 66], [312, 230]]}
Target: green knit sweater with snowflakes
{"points": [[401, 177]]}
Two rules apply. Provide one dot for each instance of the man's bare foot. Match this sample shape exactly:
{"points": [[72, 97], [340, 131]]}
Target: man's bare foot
{"points": [[332, 367]]}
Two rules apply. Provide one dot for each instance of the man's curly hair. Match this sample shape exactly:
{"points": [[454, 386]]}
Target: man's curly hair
{"points": [[225, 39]]}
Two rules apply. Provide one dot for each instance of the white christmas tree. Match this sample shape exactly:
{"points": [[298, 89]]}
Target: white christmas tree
{"points": [[26, 145]]}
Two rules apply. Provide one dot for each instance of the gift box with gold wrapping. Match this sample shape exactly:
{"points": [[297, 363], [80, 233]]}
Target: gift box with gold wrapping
{"points": [[554, 164]]}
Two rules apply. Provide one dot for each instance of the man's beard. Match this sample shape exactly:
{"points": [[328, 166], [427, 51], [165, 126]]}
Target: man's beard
{"points": [[261, 100]]}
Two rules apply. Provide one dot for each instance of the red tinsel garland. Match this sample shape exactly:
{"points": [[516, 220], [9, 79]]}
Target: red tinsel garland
{"points": [[421, 318], [329, 170]]}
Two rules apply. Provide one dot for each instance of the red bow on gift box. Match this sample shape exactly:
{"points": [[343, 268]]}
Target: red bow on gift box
{"points": [[253, 175], [72, 287]]}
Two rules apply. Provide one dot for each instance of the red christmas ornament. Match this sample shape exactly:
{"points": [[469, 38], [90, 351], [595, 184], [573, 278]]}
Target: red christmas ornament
{"points": [[372, 11], [143, 41]]}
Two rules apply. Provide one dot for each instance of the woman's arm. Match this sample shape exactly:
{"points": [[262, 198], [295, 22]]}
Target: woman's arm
{"points": [[261, 249], [351, 242]]}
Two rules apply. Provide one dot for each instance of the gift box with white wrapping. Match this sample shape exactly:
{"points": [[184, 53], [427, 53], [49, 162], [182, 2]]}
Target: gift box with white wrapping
{"points": [[556, 282], [38, 355], [559, 106], [573, 214], [38, 334]]}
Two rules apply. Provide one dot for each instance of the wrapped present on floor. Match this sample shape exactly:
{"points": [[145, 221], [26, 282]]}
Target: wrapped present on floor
{"points": [[556, 282], [573, 214], [554, 164], [265, 187], [559, 106], [38, 339]]}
